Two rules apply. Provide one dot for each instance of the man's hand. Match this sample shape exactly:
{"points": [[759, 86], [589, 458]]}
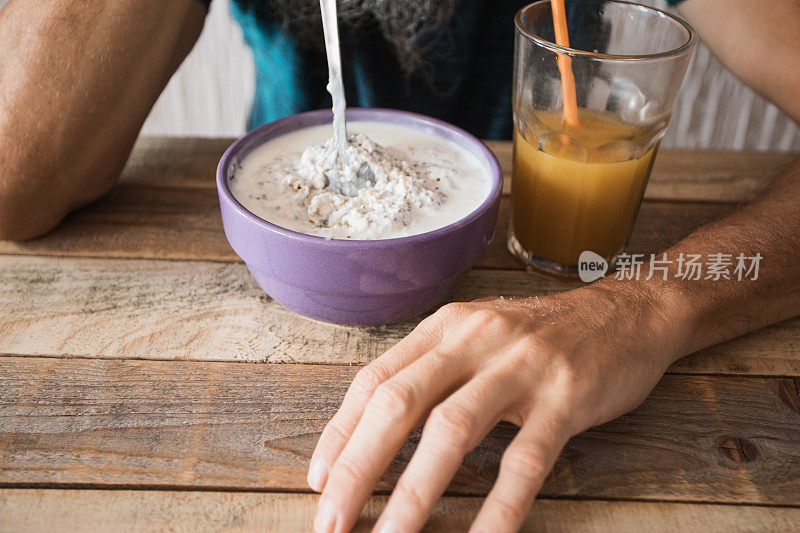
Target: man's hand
{"points": [[554, 366]]}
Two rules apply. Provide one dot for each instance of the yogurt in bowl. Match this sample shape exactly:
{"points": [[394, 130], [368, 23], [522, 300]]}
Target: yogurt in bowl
{"points": [[422, 182], [388, 251]]}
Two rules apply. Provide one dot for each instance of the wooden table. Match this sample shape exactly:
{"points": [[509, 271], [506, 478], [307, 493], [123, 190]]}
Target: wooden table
{"points": [[147, 383]]}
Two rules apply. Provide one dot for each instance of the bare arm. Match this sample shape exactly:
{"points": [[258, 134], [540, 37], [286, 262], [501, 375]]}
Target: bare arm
{"points": [[560, 364], [758, 41], [715, 311], [77, 80], [555, 366]]}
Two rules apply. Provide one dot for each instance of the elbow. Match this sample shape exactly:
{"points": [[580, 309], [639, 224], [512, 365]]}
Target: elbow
{"points": [[10, 228], [19, 221], [20, 229], [28, 208], [39, 186]]}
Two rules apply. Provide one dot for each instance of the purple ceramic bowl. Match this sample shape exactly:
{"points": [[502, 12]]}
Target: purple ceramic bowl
{"points": [[357, 282]]}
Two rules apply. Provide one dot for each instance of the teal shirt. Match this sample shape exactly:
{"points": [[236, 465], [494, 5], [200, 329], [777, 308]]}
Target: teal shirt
{"points": [[469, 85], [470, 75]]}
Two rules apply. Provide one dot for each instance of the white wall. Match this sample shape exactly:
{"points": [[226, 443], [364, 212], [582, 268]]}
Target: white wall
{"points": [[211, 94], [716, 110]]}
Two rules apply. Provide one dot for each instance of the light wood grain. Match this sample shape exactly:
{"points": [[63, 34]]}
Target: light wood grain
{"points": [[99, 423], [145, 309], [688, 175], [166, 206], [713, 176], [92, 414], [180, 223], [90, 511]]}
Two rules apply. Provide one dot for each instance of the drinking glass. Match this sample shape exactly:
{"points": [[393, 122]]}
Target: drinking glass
{"points": [[577, 184]]}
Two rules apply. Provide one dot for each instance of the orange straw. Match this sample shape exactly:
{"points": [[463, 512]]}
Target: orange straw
{"points": [[565, 63]]}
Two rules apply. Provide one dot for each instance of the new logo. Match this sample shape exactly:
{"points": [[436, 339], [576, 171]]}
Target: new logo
{"points": [[591, 266]]}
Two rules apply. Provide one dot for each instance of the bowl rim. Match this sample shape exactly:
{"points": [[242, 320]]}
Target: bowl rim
{"points": [[376, 114]]}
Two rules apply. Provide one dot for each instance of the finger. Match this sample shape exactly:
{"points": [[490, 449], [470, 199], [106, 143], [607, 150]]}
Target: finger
{"points": [[396, 407], [425, 336], [524, 467], [454, 428]]}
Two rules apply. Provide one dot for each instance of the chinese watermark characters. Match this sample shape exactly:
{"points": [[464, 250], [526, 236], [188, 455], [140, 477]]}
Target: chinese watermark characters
{"points": [[690, 267]]}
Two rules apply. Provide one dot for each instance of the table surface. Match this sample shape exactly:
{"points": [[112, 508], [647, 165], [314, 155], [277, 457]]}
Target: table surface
{"points": [[147, 383]]}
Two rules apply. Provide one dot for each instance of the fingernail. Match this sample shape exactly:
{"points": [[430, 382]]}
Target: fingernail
{"points": [[388, 526], [317, 474], [325, 520]]}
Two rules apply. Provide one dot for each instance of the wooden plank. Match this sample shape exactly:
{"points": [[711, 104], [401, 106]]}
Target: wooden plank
{"points": [[101, 423], [165, 205], [181, 223], [679, 174], [189, 162], [89, 511], [715, 176], [215, 312], [139, 221]]}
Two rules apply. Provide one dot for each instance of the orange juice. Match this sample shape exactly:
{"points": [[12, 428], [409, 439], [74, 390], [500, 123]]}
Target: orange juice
{"points": [[578, 187]]}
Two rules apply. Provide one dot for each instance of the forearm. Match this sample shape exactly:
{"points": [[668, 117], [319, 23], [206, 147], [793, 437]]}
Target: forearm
{"points": [[77, 81], [688, 314], [757, 41]]}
